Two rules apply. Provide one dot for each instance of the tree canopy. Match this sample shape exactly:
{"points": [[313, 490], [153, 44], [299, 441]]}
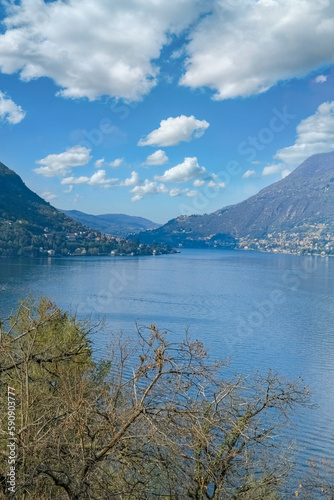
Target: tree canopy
{"points": [[157, 419]]}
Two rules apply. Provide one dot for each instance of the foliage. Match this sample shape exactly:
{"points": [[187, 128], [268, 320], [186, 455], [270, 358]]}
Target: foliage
{"points": [[155, 421], [22, 239]]}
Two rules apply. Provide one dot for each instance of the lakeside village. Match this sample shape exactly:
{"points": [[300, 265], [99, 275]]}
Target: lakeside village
{"points": [[315, 239], [94, 243], [318, 240], [17, 240], [312, 243]]}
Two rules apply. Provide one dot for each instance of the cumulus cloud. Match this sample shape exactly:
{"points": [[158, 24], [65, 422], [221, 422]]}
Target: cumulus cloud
{"points": [[285, 173], [9, 111], [315, 134], [116, 163], [175, 130], [148, 187], [132, 181], [55, 40], [178, 53], [192, 194], [239, 49], [183, 172], [245, 47], [177, 192], [99, 163], [48, 196], [216, 185], [248, 174], [159, 157], [97, 179], [62, 164], [100, 178], [198, 183], [272, 169], [321, 79]]}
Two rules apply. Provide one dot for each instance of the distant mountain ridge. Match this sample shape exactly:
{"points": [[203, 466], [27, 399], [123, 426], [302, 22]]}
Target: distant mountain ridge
{"points": [[30, 226], [292, 210], [114, 224]]}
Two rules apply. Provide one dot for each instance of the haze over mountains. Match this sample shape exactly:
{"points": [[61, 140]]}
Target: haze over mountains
{"points": [[114, 224], [299, 207]]}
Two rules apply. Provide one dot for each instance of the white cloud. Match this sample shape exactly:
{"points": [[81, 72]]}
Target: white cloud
{"points": [[98, 178], [9, 111], [56, 40], [239, 49], [198, 183], [192, 194], [315, 134], [248, 174], [159, 157], [74, 180], [321, 79], [69, 190], [48, 196], [183, 172], [272, 169], [245, 47], [175, 130], [285, 173], [99, 163], [62, 164], [178, 53], [177, 192], [116, 163], [148, 187], [132, 181], [216, 185]]}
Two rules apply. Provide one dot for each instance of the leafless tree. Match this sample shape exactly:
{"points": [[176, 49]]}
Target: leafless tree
{"points": [[157, 420]]}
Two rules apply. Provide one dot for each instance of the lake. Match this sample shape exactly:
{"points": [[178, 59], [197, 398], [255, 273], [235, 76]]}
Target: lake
{"points": [[260, 310]]}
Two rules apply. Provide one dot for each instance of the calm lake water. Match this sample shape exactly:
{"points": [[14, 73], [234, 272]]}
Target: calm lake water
{"points": [[260, 310]]}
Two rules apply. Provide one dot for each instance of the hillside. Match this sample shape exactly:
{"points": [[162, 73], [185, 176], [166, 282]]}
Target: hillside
{"points": [[18, 202], [295, 214], [30, 226], [114, 224]]}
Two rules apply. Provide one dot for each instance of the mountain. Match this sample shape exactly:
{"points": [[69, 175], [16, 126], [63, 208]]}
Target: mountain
{"points": [[31, 226], [113, 224], [19, 203], [296, 214]]}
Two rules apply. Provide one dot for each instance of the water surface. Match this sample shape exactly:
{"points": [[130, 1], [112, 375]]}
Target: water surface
{"points": [[260, 310]]}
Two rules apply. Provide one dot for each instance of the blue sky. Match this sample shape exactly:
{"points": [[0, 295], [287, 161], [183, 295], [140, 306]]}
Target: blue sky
{"points": [[162, 108]]}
